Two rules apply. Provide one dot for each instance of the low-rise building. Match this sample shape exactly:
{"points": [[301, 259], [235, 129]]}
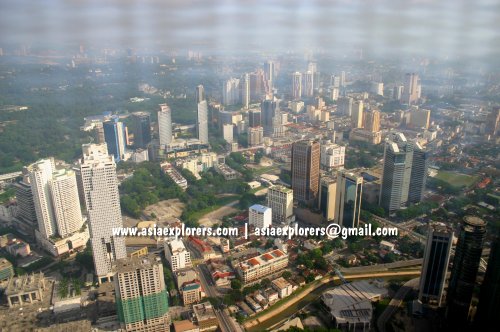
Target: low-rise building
{"points": [[25, 289], [350, 305], [174, 175], [191, 293], [362, 135], [271, 295], [283, 287], [205, 316], [203, 248], [262, 266], [387, 245], [185, 326], [227, 172]]}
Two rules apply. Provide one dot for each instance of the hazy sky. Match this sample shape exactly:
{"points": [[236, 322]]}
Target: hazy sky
{"points": [[432, 27]]}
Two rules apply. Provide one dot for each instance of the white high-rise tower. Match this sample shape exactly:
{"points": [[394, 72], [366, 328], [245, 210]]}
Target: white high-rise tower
{"points": [[165, 124], [100, 188], [40, 176], [202, 124], [66, 202]]}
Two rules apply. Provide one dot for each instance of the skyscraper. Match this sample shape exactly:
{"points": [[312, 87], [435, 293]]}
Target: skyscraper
{"points": [[114, 135], [231, 92], [465, 266], [344, 106], [100, 189], [141, 129], [435, 264], [254, 118], [245, 90], [419, 118], [257, 85], [487, 316], [255, 136], [268, 112], [202, 122], [372, 121], [269, 72], [280, 200], [308, 84], [419, 169], [327, 194], [40, 176], [305, 170], [55, 199], [165, 125], [397, 92], [296, 86], [411, 91], [493, 122], [348, 199], [342, 79], [26, 213], [66, 202], [357, 114], [141, 295], [396, 176], [335, 81], [200, 93]]}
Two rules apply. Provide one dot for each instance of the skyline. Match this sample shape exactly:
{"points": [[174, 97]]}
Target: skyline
{"points": [[379, 28]]}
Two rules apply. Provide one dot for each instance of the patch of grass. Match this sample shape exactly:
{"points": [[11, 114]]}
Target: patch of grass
{"points": [[456, 179]]}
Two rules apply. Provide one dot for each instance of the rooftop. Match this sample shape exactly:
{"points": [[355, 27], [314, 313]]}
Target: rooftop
{"points": [[351, 303], [25, 283], [184, 325], [204, 311], [138, 262], [259, 208], [265, 258]]}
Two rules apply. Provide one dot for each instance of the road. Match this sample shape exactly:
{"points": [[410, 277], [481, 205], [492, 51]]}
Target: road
{"points": [[395, 303], [411, 233], [266, 315], [226, 323]]}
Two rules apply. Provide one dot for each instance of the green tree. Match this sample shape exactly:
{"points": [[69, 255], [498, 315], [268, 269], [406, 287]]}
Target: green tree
{"points": [[236, 284]]}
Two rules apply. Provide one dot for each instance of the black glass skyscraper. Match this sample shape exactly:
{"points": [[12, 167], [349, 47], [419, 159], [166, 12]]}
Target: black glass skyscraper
{"points": [[142, 129], [435, 265], [268, 111], [465, 266], [488, 317]]}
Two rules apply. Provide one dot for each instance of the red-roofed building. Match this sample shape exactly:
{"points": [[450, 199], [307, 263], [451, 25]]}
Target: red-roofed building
{"points": [[262, 266]]}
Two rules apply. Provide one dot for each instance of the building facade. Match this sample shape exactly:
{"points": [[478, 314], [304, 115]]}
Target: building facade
{"points": [[141, 129], [435, 265], [260, 216], [305, 170], [396, 176], [348, 199], [102, 200], [141, 295], [177, 255], [202, 122], [165, 125], [465, 267], [280, 200]]}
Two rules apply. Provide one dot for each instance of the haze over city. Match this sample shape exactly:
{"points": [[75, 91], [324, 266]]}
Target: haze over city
{"points": [[227, 166]]}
